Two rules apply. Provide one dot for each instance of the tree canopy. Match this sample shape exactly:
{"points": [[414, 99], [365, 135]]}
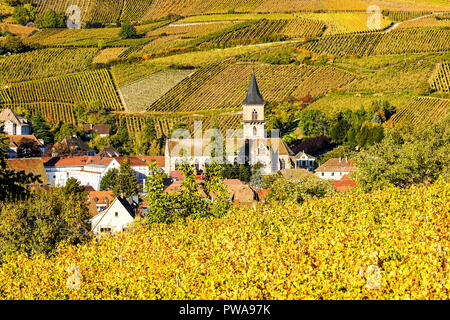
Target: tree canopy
{"points": [[126, 182]]}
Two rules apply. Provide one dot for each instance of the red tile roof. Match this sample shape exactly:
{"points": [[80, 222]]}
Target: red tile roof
{"points": [[344, 184]]}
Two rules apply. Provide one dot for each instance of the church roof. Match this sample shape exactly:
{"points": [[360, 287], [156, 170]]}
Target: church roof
{"points": [[198, 147], [253, 94]]}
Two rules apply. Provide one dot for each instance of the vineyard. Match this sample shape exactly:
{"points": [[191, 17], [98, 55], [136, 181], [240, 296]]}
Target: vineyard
{"points": [[141, 93], [324, 249], [335, 102], [344, 22], [224, 86], [441, 82], [256, 32], [303, 28], [78, 88], [345, 44], [164, 123], [44, 63], [322, 81], [75, 37], [52, 112], [406, 15], [110, 11], [405, 74], [414, 41], [108, 54], [426, 22], [395, 42], [421, 112]]}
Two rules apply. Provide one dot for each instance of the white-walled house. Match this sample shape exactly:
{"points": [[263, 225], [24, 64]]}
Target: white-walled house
{"points": [[14, 124], [335, 169], [89, 170], [304, 161], [115, 218]]}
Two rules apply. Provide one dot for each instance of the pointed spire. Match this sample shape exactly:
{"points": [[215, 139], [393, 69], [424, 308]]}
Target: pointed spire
{"points": [[253, 94]]}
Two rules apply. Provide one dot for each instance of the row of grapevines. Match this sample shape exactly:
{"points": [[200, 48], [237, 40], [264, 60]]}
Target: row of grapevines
{"points": [[395, 42], [173, 100], [297, 28], [421, 112], [134, 10], [441, 82], [261, 31], [44, 63], [225, 86], [63, 5], [322, 81], [414, 40], [406, 15], [136, 122], [52, 112], [78, 88], [345, 44]]}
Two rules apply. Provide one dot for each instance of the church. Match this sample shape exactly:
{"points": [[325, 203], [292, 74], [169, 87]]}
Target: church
{"points": [[249, 145]]}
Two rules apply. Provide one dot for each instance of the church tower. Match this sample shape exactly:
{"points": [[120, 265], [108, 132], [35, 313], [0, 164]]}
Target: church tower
{"points": [[253, 105]]}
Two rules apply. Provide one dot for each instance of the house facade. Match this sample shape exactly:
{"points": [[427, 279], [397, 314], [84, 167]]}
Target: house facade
{"points": [[89, 170], [335, 169], [16, 140], [116, 218], [250, 147], [14, 124], [304, 161]]}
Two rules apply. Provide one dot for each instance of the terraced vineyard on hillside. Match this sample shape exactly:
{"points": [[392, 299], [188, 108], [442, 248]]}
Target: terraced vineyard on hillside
{"points": [[44, 63], [164, 123], [223, 86], [322, 81], [395, 42], [441, 82], [421, 112], [144, 92], [78, 88], [345, 44]]}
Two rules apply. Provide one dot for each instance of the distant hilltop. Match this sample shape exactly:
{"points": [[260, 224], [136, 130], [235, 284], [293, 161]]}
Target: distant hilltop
{"points": [[111, 11]]}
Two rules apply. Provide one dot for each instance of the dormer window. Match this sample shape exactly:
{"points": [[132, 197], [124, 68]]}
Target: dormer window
{"points": [[254, 115]]}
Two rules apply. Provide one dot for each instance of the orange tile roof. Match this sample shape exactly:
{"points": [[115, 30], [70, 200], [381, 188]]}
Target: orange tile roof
{"points": [[29, 165], [233, 182], [344, 184], [337, 165], [160, 160], [90, 160], [262, 193], [75, 161], [104, 197]]}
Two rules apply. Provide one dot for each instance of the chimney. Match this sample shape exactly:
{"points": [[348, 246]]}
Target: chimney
{"points": [[346, 159], [340, 160]]}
